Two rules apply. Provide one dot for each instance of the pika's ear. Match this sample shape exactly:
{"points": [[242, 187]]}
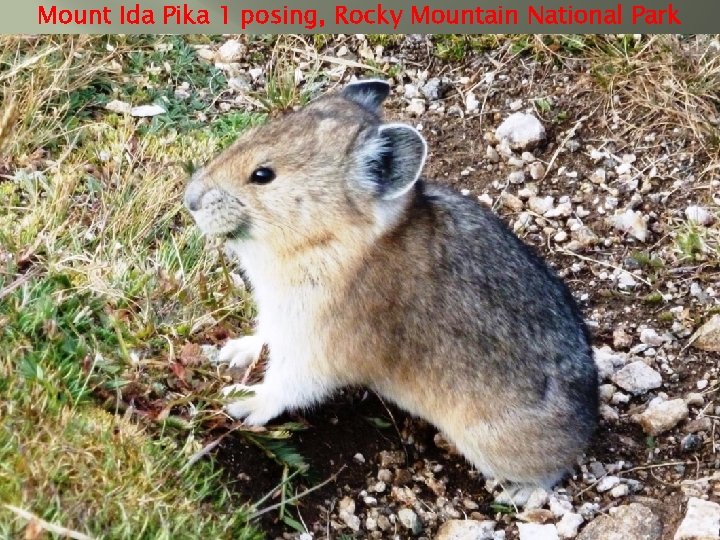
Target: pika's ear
{"points": [[368, 93], [393, 160]]}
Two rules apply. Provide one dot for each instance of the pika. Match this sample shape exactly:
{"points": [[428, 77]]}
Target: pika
{"points": [[365, 274]]}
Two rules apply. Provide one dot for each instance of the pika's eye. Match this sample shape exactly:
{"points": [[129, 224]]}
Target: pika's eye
{"points": [[262, 175]]}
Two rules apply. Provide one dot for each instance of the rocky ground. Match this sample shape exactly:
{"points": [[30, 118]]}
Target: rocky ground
{"points": [[604, 165]]}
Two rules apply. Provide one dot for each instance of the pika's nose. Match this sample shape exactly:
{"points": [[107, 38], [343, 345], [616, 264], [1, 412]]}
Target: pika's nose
{"points": [[193, 195]]}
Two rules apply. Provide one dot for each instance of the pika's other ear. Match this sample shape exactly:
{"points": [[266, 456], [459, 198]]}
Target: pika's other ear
{"points": [[393, 160], [368, 93]]}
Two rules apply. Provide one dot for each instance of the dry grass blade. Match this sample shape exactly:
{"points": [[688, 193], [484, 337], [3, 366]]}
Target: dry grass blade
{"points": [[47, 526]]}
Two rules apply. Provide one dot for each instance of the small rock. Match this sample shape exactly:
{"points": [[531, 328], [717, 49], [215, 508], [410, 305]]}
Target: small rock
{"points": [[388, 458], [637, 378], [568, 526], [230, 51], [625, 280], [621, 339], [537, 170], [629, 522], [410, 520], [621, 490], [699, 215], [410, 91], [359, 458], [651, 337], [701, 521], [346, 513], [516, 177], [416, 107], [528, 157], [564, 209], [537, 499], [690, 443], [607, 391], [472, 105], [522, 131], [145, 111], [492, 154], [695, 399], [541, 205], [631, 222], [608, 413], [118, 106], [661, 416], [466, 529], [607, 483], [432, 89], [559, 506], [707, 337], [511, 202], [534, 531], [702, 423]]}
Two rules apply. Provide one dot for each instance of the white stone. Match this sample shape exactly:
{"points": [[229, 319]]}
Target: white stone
{"points": [[637, 378], [535, 531], [661, 416], [541, 205], [472, 104], [631, 222], [144, 111], [621, 490], [516, 177], [607, 483], [707, 337], [699, 215], [568, 526], [118, 106], [466, 529], [521, 131], [410, 520], [230, 51], [537, 170], [410, 91], [416, 107], [701, 521]]}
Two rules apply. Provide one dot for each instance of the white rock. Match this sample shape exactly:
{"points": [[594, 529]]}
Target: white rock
{"points": [[608, 361], [651, 337], [707, 337], [541, 205], [230, 51], [559, 507], [466, 529], [410, 91], [535, 531], [472, 105], [631, 222], [537, 170], [607, 483], [492, 154], [118, 106], [560, 237], [701, 521], [416, 107], [485, 199], [521, 130], [568, 526], [621, 490], [637, 378], [255, 73], [147, 111], [516, 177], [699, 215], [661, 416], [537, 499], [564, 209], [410, 520], [625, 280], [346, 513]]}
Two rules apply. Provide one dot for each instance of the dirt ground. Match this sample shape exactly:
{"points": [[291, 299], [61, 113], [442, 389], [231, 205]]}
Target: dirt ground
{"points": [[382, 466]]}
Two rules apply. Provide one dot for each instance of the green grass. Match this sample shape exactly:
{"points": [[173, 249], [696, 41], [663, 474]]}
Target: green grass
{"points": [[103, 278]]}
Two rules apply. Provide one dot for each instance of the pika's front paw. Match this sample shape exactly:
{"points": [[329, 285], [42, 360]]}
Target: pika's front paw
{"points": [[257, 406], [241, 352]]}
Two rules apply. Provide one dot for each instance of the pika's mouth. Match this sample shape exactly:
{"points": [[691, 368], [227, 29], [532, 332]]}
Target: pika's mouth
{"points": [[240, 232]]}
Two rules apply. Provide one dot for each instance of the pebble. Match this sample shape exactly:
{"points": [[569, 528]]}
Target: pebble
{"points": [[492, 154], [631, 222], [621, 490], [701, 521], [416, 107], [466, 529], [661, 416], [607, 483], [568, 525], [633, 521], [535, 531], [516, 177], [410, 520], [432, 89], [346, 513], [541, 205], [699, 215], [537, 170], [230, 51], [472, 104], [651, 337], [707, 337], [522, 131], [637, 378], [410, 91]]}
